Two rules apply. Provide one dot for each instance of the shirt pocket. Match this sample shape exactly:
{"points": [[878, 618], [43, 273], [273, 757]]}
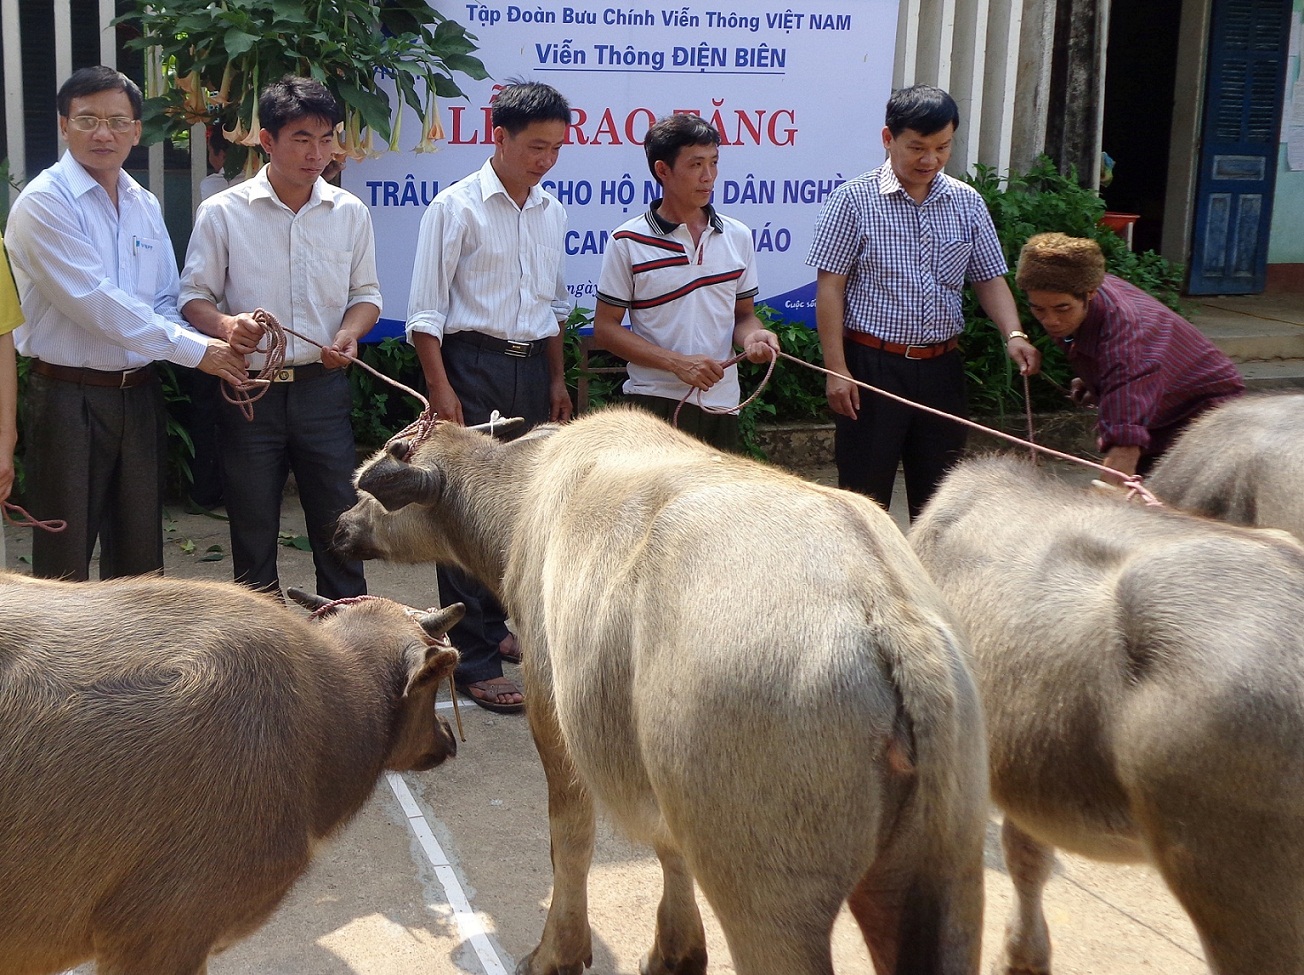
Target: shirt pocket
{"points": [[329, 274], [146, 254], [544, 263], [953, 258]]}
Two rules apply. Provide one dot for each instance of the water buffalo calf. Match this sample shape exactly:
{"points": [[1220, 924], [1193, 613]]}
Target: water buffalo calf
{"points": [[171, 751], [1142, 674], [750, 672]]}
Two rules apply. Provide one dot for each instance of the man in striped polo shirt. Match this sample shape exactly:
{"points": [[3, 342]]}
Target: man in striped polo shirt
{"points": [[1149, 370], [893, 249], [686, 275]]}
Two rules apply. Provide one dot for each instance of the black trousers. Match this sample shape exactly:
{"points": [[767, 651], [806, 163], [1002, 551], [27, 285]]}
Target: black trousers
{"points": [[200, 418], [486, 381], [887, 434], [302, 427], [95, 458], [719, 430]]}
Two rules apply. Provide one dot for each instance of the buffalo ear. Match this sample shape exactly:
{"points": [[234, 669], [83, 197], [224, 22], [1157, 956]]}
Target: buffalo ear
{"points": [[309, 601], [441, 660], [396, 484]]}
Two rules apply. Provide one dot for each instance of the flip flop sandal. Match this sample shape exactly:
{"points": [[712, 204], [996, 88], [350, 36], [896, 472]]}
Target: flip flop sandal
{"points": [[493, 688], [510, 649]]}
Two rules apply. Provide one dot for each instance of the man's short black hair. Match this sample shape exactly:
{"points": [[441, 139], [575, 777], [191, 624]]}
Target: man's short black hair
{"points": [[669, 135], [292, 98], [522, 102], [923, 108], [92, 81]]}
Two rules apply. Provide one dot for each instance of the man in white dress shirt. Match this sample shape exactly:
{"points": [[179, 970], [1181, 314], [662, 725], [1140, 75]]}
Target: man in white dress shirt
{"points": [[98, 285], [485, 314], [288, 242]]}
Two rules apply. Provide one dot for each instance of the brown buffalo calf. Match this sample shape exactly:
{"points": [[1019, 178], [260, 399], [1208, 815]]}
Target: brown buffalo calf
{"points": [[170, 751]]}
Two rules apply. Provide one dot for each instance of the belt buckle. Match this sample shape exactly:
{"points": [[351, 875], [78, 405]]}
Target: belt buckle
{"points": [[284, 375], [926, 349], [127, 374], [519, 350]]}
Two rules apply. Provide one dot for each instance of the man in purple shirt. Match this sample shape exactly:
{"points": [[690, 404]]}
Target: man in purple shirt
{"points": [[1150, 371]]}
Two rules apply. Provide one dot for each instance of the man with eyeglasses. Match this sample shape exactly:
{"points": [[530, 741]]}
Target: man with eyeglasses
{"points": [[98, 284]]}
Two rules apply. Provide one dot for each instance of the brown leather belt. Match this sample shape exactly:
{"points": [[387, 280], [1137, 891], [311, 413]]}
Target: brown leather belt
{"points": [[289, 374], [491, 343], [124, 379], [896, 348]]}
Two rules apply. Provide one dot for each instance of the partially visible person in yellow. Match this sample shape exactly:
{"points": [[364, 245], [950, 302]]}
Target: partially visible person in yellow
{"points": [[11, 316]]}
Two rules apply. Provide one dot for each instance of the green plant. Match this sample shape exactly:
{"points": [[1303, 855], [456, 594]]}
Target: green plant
{"points": [[380, 410], [216, 56], [1038, 201]]}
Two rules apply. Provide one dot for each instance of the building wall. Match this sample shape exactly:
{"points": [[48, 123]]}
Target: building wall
{"points": [[1286, 244]]}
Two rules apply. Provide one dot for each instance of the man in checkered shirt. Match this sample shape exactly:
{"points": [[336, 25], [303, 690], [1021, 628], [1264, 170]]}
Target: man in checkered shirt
{"points": [[893, 249]]}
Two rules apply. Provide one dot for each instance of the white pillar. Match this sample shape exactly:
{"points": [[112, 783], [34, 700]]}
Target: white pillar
{"points": [[13, 60], [108, 34]]}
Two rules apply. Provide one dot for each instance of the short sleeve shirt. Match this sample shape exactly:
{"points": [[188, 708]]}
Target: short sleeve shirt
{"points": [[906, 263], [680, 296]]}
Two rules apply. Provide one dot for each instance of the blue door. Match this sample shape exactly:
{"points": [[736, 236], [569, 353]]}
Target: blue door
{"points": [[1238, 145]]}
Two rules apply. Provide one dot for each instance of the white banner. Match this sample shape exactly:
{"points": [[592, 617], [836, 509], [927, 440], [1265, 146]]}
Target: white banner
{"points": [[796, 93]]}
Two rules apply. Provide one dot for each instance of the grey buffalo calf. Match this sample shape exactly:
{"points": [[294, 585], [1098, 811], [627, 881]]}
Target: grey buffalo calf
{"points": [[1141, 674], [751, 673], [1241, 462], [171, 751]]}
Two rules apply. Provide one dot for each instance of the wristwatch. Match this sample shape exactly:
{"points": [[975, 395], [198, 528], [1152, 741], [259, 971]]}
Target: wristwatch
{"points": [[1017, 334]]}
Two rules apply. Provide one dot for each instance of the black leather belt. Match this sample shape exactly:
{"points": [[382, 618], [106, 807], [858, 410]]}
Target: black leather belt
{"points": [[289, 374], [930, 351], [120, 379], [491, 343]]}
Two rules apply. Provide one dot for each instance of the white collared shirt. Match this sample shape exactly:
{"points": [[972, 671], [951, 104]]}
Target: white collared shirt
{"points": [[484, 264], [249, 251], [98, 284]]}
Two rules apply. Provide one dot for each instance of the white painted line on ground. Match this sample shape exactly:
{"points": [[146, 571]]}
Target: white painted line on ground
{"points": [[468, 921]]}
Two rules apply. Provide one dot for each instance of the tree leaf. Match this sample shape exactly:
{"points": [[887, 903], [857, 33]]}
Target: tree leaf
{"points": [[238, 41], [373, 105]]}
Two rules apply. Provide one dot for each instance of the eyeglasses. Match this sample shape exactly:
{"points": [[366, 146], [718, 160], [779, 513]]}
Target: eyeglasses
{"points": [[89, 123]]}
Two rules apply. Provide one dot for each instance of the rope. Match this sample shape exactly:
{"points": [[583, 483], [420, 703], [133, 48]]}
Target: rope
{"points": [[244, 396], [27, 521], [1131, 482]]}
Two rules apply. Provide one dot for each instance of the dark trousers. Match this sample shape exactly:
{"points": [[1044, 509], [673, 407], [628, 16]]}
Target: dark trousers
{"points": [[302, 427], [200, 418], [486, 381], [720, 430], [94, 458], [886, 433]]}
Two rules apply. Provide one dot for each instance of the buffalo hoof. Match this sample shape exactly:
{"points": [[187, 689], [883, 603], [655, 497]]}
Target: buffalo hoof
{"points": [[528, 966], [694, 963]]}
